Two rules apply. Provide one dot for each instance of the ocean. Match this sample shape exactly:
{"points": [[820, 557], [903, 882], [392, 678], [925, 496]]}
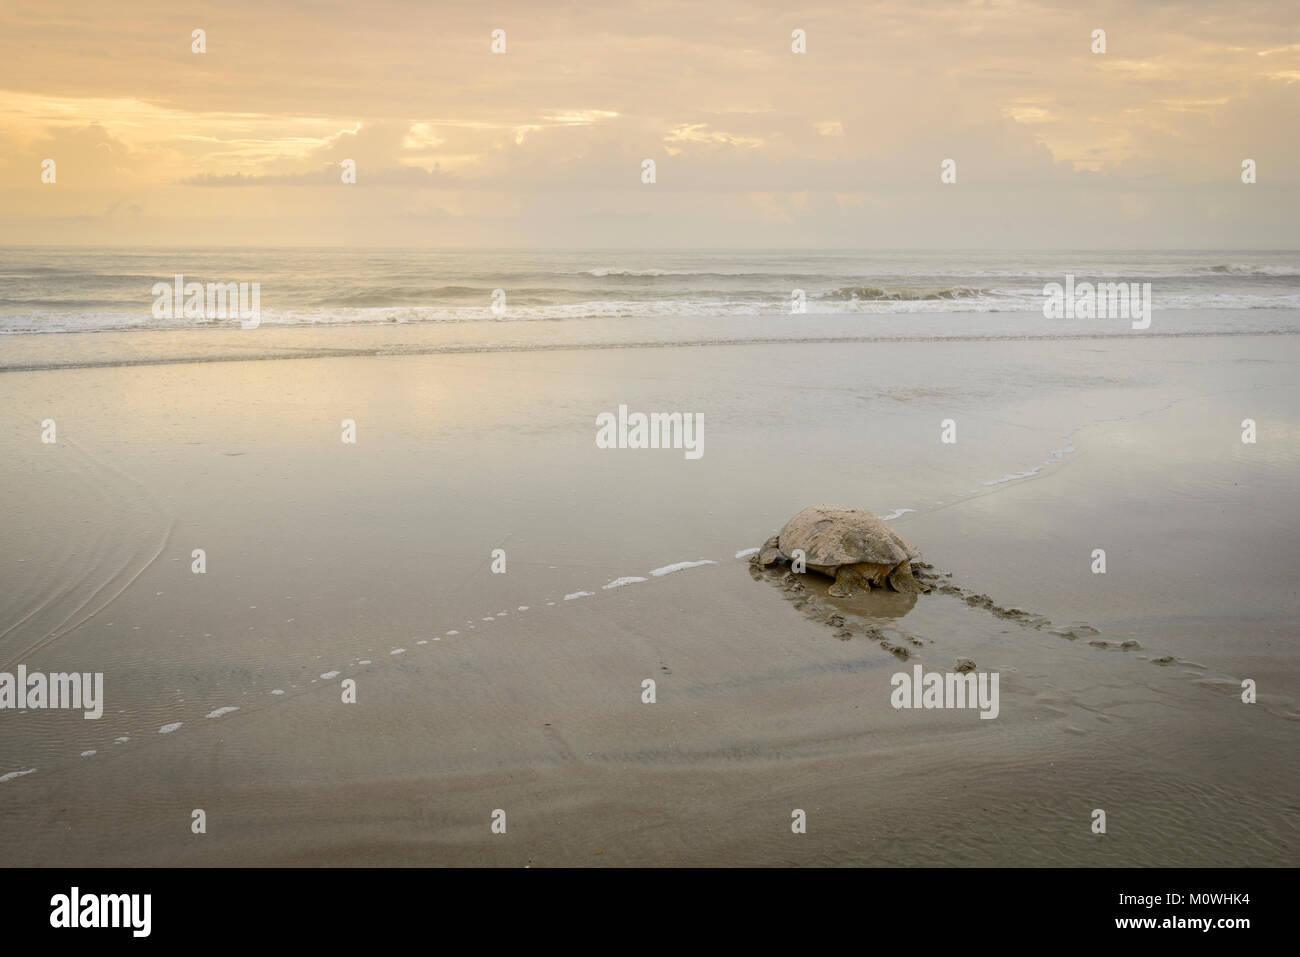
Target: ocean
{"points": [[53, 289], [323, 301]]}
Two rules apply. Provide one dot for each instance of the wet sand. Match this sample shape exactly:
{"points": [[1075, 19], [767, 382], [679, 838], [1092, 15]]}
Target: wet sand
{"points": [[1118, 691]]}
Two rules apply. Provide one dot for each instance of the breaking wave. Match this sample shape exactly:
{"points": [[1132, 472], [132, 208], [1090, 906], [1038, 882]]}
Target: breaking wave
{"points": [[903, 294]]}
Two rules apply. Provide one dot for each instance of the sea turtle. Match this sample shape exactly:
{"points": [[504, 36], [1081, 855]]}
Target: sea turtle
{"points": [[850, 545]]}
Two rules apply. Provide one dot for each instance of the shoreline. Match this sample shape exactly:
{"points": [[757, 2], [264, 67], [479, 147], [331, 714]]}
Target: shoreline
{"points": [[82, 345]]}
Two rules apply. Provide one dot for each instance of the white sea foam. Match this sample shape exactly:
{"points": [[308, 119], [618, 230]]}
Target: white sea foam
{"points": [[895, 513], [330, 674], [679, 566], [1013, 476], [220, 711], [86, 754], [14, 774], [578, 594], [620, 582], [169, 728], [1057, 456], [746, 552]]}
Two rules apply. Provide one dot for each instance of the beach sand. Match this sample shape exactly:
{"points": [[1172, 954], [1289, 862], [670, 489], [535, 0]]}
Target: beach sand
{"points": [[372, 561]]}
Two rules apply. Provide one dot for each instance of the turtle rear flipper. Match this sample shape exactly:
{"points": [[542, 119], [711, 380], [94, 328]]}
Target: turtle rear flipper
{"points": [[902, 580], [846, 577]]}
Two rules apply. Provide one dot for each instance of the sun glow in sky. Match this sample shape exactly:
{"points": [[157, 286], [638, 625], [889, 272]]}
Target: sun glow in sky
{"points": [[754, 145]]}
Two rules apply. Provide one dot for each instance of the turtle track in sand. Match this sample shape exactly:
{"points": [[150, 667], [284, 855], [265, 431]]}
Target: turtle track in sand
{"points": [[899, 641], [940, 583]]}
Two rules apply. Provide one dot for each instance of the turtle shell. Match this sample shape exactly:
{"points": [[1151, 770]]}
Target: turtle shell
{"points": [[835, 535]]}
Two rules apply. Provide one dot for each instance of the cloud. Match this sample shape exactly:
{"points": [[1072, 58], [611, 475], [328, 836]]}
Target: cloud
{"points": [[753, 143], [700, 133], [328, 176]]}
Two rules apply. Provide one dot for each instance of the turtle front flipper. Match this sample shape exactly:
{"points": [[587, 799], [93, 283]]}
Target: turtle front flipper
{"points": [[902, 580], [769, 553]]}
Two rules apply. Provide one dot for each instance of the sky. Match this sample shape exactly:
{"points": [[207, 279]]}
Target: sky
{"points": [[754, 145]]}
